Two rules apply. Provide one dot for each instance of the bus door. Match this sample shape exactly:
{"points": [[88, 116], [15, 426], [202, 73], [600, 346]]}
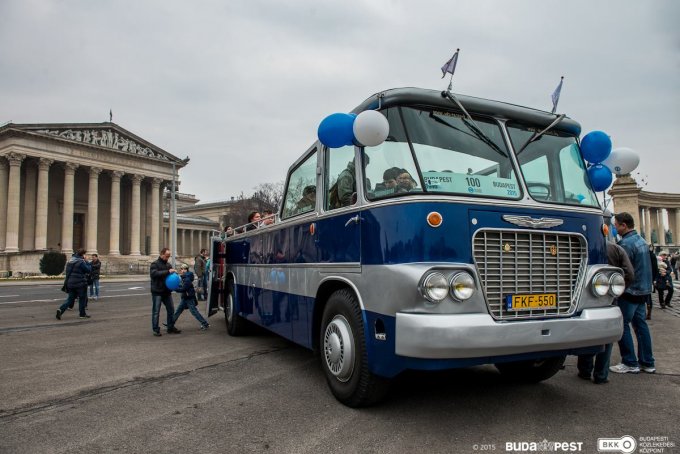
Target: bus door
{"points": [[216, 276]]}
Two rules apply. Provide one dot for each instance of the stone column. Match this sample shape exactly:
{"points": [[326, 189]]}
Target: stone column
{"points": [[92, 210], [114, 238], [67, 211], [676, 234], [648, 225], [672, 223], [154, 249], [662, 230], [192, 248], [135, 215], [4, 178], [42, 203], [654, 224], [13, 201], [28, 222]]}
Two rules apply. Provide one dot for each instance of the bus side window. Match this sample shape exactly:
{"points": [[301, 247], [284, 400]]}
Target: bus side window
{"points": [[340, 178], [301, 191]]}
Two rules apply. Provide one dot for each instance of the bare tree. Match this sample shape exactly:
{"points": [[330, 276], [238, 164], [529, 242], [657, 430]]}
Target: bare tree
{"points": [[268, 196]]}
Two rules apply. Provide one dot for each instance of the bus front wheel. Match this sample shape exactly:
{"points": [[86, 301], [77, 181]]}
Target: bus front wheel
{"points": [[532, 371], [343, 353]]}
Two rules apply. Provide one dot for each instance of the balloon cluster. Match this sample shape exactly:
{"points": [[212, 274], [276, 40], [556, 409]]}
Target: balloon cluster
{"points": [[368, 129], [596, 148]]}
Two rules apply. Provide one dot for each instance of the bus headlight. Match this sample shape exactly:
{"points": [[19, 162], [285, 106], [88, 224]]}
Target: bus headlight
{"points": [[434, 287], [617, 285], [600, 284], [462, 286]]}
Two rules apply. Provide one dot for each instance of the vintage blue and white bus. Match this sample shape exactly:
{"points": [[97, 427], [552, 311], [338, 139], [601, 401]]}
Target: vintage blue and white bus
{"points": [[470, 236]]}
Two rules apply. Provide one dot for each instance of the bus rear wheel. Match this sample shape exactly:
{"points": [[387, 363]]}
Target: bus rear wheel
{"points": [[236, 325], [343, 353], [532, 371]]}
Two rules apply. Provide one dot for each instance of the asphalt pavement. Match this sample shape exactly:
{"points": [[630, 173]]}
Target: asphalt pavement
{"points": [[107, 385]]}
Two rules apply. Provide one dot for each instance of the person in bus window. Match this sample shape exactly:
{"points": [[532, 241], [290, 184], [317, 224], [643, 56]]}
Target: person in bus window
{"points": [[405, 182], [254, 219], [308, 200], [389, 180], [267, 217]]}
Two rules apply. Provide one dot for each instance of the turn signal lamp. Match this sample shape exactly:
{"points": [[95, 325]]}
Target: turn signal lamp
{"points": [[434, 219], [605, 230]]}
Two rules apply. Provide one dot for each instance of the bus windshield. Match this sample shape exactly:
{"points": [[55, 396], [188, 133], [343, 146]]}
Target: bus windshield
{"points": [[440, 152], [552, 166]]}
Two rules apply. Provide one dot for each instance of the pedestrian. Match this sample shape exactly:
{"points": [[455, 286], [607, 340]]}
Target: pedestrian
{"points": [[655, 273], [199, 269], [161, 294], [599, 370], [96, 265], [664, 283], [75, 282], [632, 302], [188, 300]]}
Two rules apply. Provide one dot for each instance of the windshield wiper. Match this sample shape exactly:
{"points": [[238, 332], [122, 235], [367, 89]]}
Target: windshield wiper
{"points": [[470, 123], [537, 135]]}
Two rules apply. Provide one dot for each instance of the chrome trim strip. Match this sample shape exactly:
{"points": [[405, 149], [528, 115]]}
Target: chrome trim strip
{"points": [[534, 223]]}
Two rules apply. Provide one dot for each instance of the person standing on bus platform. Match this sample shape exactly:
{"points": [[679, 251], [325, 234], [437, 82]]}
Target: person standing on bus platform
{"points": [[199, 269], [632, 302], [616, 256], [160, 294]]}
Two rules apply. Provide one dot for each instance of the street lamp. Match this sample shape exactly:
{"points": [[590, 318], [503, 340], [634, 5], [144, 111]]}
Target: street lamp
{"points": [[173, 209]]}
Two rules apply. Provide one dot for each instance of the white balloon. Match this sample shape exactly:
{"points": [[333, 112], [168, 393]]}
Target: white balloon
{"points": [[622, 161], [371, 128]]}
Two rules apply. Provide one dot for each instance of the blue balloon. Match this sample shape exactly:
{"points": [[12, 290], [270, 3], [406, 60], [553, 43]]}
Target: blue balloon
{"points": [[335, 130], [614, 231], [596, 146], [600, 177], [173, 282]]}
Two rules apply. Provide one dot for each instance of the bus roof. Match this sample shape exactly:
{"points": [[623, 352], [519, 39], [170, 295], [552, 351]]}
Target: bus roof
{"points": [[432, 98]]}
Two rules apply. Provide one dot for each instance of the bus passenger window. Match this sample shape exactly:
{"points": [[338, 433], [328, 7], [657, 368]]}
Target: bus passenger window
{"points": [[340, 177], [301, 191]]}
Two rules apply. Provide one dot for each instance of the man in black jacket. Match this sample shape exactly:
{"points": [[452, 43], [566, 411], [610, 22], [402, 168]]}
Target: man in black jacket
{"points": [[159, 270], [76, 272]]}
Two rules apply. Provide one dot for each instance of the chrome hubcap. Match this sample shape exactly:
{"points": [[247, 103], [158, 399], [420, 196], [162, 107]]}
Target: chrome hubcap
{"points": [[338, 345]]}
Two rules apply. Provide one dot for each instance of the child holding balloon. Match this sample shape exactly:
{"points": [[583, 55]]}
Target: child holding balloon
{"points": [[188, 300]]}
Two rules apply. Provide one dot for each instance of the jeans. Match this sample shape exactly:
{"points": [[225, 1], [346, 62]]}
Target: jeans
{"points": [[189, 303], [94, 288], [166, 299], [635, 314], [600, 370], [73, 293], [665, 301]]}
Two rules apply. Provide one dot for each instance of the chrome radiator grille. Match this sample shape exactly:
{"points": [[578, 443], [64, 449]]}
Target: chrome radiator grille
{"points": [[524, 262]]}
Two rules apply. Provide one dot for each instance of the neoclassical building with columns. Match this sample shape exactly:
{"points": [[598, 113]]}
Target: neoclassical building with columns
{"points": [[650, 210], [96, 186]]}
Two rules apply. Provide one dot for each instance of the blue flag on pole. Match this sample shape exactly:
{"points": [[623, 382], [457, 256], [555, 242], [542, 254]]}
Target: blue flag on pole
{"points": [[450, 66], [556, 95]]}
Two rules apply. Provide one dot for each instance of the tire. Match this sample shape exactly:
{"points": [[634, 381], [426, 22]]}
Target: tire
{"points": [[532, 371], [343, 353], [236, 325]]}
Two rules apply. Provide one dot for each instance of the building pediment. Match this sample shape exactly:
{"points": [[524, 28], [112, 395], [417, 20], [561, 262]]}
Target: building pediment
{"points": [[109, 136]]}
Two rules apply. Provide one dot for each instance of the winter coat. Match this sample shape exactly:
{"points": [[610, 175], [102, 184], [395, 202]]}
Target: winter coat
{"points": [[159, 270], [199, 266], [96, 267], [77, 270], [188, 290]]}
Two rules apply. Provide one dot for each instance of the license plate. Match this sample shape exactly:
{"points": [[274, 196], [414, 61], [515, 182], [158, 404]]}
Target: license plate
{"points": [[526, 302]]}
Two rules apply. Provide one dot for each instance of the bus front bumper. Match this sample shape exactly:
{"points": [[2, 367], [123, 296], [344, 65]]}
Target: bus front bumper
{"points": [[477, 335]]}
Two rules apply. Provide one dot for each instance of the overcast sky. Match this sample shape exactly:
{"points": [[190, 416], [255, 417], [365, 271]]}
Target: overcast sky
{"points": [[240, 86]]}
